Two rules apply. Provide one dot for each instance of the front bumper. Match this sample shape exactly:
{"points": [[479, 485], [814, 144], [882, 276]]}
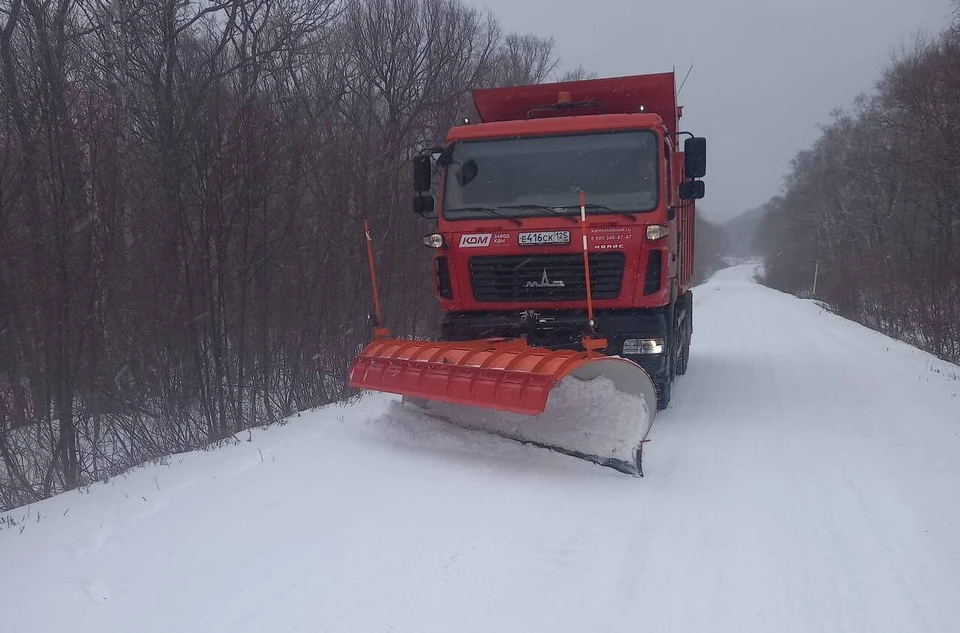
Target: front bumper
{"points": [[564, 329]]}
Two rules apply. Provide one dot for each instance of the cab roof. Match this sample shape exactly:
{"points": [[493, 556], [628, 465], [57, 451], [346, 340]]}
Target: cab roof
{"points": [[555, 126]]}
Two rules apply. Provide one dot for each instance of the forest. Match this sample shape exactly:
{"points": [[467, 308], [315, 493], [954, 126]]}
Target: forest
{"points": [[868, 220], [182, 194]]}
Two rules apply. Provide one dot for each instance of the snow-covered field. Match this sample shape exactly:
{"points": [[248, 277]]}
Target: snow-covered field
{"points": [[806, 478]]}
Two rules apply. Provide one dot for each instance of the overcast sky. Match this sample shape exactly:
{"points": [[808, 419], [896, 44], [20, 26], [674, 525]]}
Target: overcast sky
{"points": [[765, 72]]}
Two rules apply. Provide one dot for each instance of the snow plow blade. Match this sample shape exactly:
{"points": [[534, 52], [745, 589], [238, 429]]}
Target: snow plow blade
{"points": [[585, 404]]}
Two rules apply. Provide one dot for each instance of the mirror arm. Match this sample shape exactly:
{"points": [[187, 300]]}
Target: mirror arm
{"points": [[446, 155]]}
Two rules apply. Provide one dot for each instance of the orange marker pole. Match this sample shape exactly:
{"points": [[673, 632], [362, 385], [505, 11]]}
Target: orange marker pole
{"points": [[586, 259], [379, 331], [590, 342]]}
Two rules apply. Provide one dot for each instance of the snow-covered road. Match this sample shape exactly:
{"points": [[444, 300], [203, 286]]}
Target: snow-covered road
{"points": [[805, 478]]}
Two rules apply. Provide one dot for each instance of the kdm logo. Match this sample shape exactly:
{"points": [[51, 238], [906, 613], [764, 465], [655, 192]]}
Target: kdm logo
{"points": [[475, 240]]}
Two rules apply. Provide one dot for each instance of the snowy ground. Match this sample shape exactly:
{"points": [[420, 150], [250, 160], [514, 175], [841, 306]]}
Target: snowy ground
{"points": [[806, 478]]}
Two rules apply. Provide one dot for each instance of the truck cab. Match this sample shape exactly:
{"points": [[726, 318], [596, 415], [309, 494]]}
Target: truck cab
{"points": [[512, 191]]}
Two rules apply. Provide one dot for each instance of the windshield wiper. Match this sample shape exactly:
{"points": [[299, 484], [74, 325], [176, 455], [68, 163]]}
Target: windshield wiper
{"points": [[591, 205], [491, 211], [540, 206], [543, 207]]}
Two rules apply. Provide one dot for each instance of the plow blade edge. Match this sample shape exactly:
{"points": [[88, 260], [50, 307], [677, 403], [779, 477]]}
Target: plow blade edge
{"points": [[588, 405]]}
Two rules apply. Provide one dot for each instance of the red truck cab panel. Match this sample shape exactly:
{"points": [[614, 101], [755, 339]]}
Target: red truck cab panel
{"points": [[511, 259]]}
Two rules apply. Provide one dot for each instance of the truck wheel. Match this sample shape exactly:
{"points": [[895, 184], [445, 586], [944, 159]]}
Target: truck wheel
{"points": [[683, 355], [684, 358], [663, 387], [663, 382]]}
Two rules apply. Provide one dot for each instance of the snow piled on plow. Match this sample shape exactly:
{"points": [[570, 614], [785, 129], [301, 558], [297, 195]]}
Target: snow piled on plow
{"points": [[590, 418]]}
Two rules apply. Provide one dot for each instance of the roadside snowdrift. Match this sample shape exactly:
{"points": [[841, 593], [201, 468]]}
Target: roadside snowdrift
{"points": [[806, 478]]}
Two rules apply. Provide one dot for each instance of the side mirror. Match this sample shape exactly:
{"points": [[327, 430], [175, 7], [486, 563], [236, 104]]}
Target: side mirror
{"points": [[422, 175], [695, 157], [691, 190], [423, 205]]}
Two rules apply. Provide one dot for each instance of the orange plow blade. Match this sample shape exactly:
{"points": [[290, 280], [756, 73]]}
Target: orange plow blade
{"points": [[584, 404]]}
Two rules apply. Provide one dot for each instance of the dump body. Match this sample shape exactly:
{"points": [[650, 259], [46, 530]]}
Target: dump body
{"points": [[653, 94]]}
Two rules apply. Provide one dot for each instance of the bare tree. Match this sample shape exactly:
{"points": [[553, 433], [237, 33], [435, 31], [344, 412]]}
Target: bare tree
{"points": [[875, 205], [182, 188], [523, 59], [578, 74]]}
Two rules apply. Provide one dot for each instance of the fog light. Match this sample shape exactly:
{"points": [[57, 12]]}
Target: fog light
{"points": [[636, 346], [434, 240]]}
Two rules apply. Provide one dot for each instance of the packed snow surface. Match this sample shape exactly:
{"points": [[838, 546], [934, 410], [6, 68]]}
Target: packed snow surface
{"points": [[805, 478]]}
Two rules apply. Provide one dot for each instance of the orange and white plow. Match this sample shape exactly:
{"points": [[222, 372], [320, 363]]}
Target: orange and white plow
{"points": [[581, 403], [584, 404]]}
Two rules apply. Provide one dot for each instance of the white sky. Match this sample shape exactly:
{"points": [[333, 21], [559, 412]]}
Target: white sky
{"points": [[765, 74]]}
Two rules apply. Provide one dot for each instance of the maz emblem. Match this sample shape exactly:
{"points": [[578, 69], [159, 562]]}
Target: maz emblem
{"points": [[544, 282]]}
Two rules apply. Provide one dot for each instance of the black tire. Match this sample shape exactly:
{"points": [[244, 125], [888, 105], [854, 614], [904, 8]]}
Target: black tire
{"points": [[664, 388], [684, 358], [683, 354], [663, 382], [685, 334]]}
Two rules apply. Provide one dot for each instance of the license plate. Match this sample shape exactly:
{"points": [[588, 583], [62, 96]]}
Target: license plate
{"points": [[544, 237]]}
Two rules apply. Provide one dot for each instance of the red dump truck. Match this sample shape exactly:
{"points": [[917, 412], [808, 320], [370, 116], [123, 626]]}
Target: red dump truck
{"points": [[565, 226]]}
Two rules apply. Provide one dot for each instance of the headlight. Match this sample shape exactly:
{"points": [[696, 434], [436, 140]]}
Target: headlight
{"points": [[637, 346], [656, 231], [434, 240]]}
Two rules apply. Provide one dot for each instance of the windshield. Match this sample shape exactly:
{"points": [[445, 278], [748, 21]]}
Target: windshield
{"points": [[522, 177]]}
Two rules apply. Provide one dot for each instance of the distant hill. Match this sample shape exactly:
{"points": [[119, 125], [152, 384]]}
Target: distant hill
{"points": [[740, 232]]}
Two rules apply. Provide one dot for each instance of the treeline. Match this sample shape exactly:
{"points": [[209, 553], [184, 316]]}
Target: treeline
{"points": [[711, 244], [872, 210], [182, 190]]}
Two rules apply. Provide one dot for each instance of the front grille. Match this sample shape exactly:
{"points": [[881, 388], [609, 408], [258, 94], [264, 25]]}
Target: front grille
{"points": [[539, 277]]}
